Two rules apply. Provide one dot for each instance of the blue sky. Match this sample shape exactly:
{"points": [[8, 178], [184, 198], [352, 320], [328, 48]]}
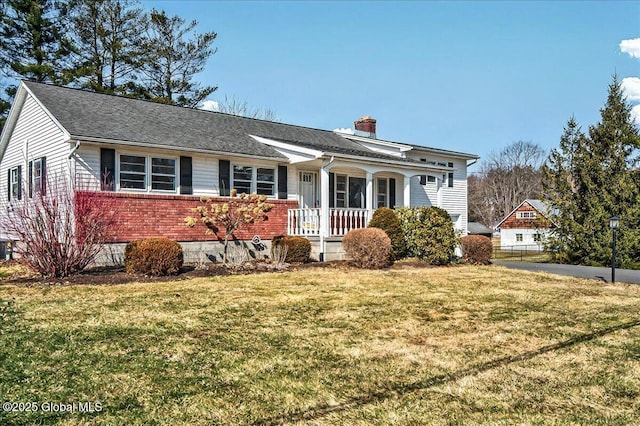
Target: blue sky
{"points": [[465, 76]]}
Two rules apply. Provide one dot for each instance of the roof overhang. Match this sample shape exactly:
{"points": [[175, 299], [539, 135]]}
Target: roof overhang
{"points": [[295, 154]]}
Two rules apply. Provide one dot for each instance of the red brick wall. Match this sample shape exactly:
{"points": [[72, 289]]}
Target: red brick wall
{"points": [[150, 215]]}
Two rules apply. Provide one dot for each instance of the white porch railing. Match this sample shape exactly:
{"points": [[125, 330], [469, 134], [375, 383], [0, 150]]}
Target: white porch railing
{"points": [[303, 222], [306, 222]]}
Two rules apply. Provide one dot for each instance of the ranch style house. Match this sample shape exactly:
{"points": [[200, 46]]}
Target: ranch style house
{"points": [[157, 160]]}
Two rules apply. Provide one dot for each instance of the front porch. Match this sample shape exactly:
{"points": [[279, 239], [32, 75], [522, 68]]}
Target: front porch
{"points": [[307, 222]]}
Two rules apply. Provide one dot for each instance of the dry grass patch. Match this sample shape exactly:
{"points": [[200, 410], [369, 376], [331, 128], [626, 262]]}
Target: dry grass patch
{"points": [[327, 347]]}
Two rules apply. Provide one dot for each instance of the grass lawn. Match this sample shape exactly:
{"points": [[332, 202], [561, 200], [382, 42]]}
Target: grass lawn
{"points": [[460, 345]]}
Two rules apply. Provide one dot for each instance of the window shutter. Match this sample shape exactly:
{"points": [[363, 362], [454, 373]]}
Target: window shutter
{"points": [[107, 169], [9, 185], [450, 179], [43, 175], [423, 179], [19, 182], [186, 176], [224, 178], [332, 180], [282, 182], [30, 179], [392, 193]]}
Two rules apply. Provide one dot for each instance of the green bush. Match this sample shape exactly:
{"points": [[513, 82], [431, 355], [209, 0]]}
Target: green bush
{"points": [[386, 219], [429, 234], [476, 249], [298, 248], [368, 248], [154, 256]]}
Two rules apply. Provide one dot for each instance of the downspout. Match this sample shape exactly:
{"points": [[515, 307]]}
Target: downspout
{"points": [[75, 148], [325, 218]]}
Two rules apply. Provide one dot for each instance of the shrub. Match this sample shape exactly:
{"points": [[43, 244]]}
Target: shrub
{"points": [[429, 234], [155, 256], [298, 248], [476, 249], [368, 248], [386, 219]]}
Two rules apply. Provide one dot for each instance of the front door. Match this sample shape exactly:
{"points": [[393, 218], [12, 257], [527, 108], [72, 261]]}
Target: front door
{"points": [[307, 190]]}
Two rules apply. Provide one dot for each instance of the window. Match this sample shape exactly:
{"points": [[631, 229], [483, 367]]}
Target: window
{"points": [[36, 176], [163, 174], [525, 215], [246, 178], [14, 184], [136, 171], [266, 179], [431, 179], [382, 193], [341, 191], [357, 192], [450, 179], [242, 177], [537, 238], [519, 238], [133, 172]]}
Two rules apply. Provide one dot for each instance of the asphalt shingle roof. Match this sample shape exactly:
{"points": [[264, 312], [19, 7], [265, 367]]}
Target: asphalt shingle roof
{"points": [[89, 114]]}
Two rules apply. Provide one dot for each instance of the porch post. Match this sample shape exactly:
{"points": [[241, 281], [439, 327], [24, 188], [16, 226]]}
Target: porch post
{"points": [[325, 223], [370, 194], [407, 191]]}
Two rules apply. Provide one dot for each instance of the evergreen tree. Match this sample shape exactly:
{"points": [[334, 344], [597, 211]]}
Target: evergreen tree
{"points": [[32, 41], [173, 60], [590, 178], [109, 35]]}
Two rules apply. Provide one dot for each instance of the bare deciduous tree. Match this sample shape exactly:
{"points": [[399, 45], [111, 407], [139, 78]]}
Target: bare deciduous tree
{"points": [[235, 106], [506, 178]]}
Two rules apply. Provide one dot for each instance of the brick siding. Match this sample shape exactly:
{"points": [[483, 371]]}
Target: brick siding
{"points": [[151, 215]]}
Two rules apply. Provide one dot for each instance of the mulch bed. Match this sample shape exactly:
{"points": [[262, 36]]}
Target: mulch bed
{"points": [[118, 275]]}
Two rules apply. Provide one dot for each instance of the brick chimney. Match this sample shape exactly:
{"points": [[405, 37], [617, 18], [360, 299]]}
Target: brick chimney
{"points": [[365, 126]]}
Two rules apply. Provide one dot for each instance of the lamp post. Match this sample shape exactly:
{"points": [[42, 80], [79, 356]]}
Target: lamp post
{"points": [[614, 224]]}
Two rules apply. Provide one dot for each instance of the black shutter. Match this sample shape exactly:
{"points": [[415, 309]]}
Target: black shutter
{"points": [[224, 180], [282, 182], [186, 176], [423, 179], [19, 182], [450, 180], [392, 193], [30, 179], [43, 175], [9, 185], [332, 201], [107, 169]]}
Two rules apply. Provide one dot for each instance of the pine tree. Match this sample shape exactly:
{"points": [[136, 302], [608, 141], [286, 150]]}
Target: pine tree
{"points": [[32, 46], [173, 60], [108, 39], [32, 41], [590, 178]]}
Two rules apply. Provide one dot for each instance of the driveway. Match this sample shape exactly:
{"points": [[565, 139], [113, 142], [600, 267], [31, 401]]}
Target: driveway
{"points": [[591, 272]]}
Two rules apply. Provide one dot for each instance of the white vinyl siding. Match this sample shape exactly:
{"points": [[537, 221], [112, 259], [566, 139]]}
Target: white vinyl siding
{"points": [[35, 135]]}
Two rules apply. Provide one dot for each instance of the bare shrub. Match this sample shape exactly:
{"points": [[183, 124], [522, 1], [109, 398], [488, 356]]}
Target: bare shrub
{"points": [[368, 248], [60, 231]]}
